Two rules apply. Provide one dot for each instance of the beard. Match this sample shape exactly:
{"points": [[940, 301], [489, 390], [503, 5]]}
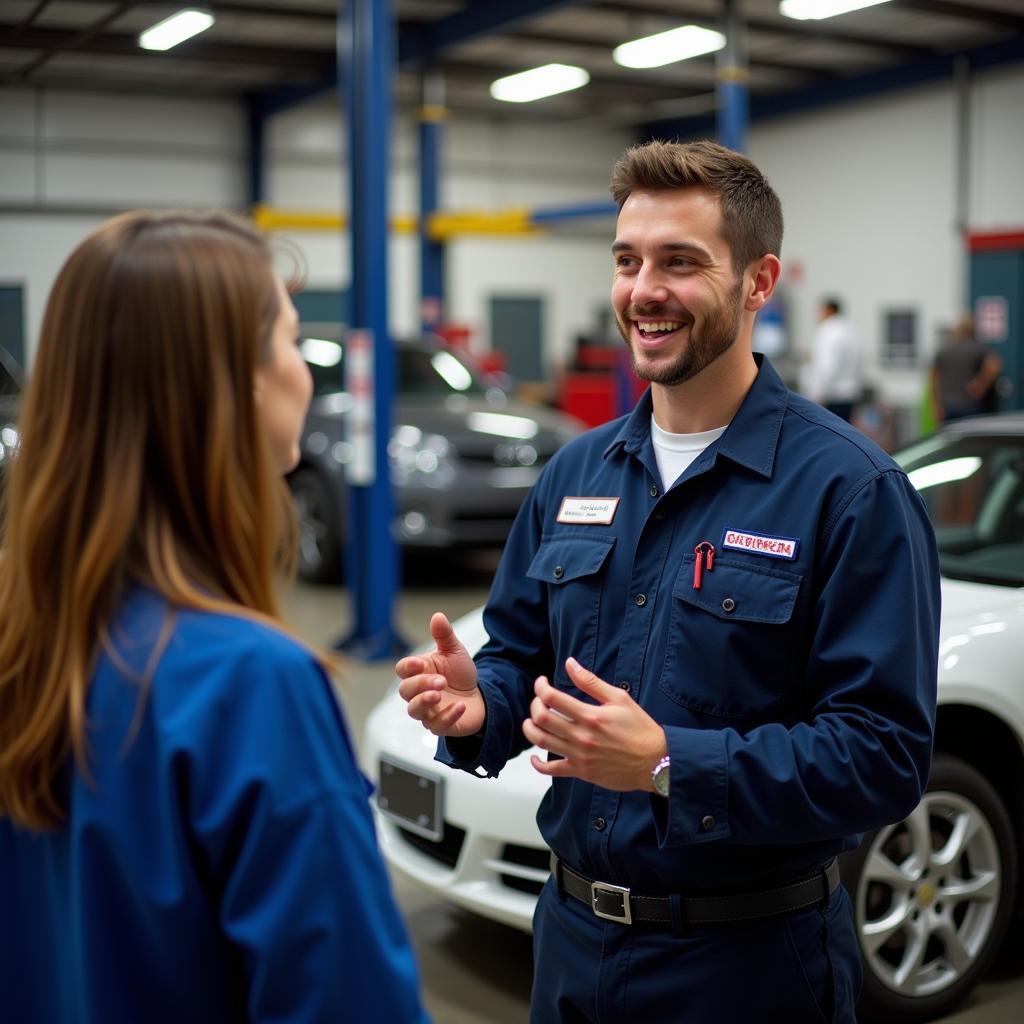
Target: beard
{"points": [[716, 336]]}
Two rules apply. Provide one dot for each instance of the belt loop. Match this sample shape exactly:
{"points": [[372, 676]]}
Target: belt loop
{"points": [[556, 874], [826, 887], [675, 906]]}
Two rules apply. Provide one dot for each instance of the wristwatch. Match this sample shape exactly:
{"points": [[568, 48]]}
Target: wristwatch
{"points": [[659, 776]]}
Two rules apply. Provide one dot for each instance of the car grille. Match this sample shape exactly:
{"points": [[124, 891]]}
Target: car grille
{"points": [[445, 850], [535, 861]]}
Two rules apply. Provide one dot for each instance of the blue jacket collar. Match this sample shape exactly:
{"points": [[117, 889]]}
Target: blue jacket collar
{"points": [[751, 438]]}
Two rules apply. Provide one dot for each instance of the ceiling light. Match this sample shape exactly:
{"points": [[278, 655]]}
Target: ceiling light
{"points": [[175, 29], [537, 83], [805, 10], [668, 47]]}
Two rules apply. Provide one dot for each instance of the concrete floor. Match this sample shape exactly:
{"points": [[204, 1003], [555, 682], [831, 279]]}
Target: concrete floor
{"points": [[475, 971]]}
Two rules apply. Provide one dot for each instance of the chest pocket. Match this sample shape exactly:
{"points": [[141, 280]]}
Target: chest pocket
{"points": [[734, 647], [572, 567]]}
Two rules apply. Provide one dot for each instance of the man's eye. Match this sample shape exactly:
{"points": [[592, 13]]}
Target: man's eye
{"points": [[625, 261]]}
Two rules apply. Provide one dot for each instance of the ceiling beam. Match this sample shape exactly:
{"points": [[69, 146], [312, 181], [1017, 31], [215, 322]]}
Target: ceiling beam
{"points": [[969, 12], [426, 41], [119, 44]]}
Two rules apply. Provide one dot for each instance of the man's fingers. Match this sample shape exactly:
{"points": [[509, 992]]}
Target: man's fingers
{"points": [[562, 768], [590, 683], [410, 666], [561, 703], [549, 720], [546, 740], [413, 686], [443, 635]]}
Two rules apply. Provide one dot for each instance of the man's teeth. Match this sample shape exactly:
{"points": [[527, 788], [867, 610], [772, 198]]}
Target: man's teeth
{"points": [[662, 325]]}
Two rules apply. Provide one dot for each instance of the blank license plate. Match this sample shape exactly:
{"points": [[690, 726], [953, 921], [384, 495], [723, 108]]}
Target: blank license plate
{"points": [[411, 799]]}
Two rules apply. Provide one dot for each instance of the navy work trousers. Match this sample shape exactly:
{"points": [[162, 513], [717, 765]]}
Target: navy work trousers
{"points": [[801, 968]]}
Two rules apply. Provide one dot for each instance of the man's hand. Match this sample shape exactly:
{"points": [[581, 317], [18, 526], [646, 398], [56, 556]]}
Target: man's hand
{"points": [[440, 688], [614, 744]]}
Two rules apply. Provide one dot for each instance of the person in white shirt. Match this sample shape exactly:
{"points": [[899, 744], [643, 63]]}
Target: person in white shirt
{"points": [[835, 374]]}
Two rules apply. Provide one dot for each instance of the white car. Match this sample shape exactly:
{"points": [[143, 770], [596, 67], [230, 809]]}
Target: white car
{"points": [[933, 894]]}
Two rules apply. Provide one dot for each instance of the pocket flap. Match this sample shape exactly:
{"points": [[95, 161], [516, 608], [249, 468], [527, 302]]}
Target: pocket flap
{"points": [[561, 559], [742, 592]]}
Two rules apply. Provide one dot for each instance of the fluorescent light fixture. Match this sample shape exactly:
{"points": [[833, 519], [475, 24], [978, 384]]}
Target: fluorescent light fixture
{"points": [[668, 47], [502, 424], [815, 10], [537, 83], [175, 29], [455, 375]]}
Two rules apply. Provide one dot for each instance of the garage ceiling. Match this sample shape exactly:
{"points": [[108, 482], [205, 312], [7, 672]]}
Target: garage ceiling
{"points": [[273, 52]]}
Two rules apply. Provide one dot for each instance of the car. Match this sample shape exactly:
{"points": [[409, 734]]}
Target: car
{"points": [[933, 895], [463, 453], [10, 394]]}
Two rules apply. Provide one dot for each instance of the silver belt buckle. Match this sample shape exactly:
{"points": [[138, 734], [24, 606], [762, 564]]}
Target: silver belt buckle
{"points": [[615, 892]]}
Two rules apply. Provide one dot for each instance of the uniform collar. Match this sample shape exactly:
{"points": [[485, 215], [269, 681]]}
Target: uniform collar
{"points": [[751, 438]]}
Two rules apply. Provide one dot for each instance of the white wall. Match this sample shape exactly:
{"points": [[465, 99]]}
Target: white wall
{"points": [[869, 189]]}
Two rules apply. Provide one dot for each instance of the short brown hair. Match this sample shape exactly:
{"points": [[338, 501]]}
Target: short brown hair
{"points": [[751, 211]]}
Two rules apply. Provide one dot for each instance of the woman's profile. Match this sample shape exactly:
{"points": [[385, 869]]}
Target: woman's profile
{"points": [[184, 833]]}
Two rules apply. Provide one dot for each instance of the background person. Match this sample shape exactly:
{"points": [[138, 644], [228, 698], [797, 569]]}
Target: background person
{"points": [[184, 834], [680, 620], [964, 375], [835, 374]]}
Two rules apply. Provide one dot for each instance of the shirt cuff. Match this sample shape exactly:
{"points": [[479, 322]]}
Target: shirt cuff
{"points": [[696, 810]]}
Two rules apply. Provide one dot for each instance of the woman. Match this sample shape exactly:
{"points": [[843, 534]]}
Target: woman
{"points": [[184, 834]]}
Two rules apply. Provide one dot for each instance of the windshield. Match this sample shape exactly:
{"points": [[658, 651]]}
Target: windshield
{"points": [[974, 490], [422, 373], [9, 382]]}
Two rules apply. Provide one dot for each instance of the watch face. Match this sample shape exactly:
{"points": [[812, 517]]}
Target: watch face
{"points": [[661, 780]]}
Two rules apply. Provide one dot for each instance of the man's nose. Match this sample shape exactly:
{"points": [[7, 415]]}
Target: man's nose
{"points": [[649, 286]]}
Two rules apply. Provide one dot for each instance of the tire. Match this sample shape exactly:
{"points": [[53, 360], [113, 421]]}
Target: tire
{"points": [[319, 527], [933, 897]]}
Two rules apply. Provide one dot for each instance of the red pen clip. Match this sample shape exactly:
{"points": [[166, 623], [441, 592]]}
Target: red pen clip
{"points": [[704, 560]]}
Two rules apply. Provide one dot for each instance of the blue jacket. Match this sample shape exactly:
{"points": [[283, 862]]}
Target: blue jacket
{"points": [[222, 863], [796, 683]]}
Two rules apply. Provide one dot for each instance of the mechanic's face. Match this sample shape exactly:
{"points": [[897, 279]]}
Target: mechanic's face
{"points": [[675, 295]]}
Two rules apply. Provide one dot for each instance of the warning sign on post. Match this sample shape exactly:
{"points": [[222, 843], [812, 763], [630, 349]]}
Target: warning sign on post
{"points": [[991, 318], [360, 470]]}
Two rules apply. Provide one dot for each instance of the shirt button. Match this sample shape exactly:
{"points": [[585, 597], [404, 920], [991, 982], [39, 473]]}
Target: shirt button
{"points": [[559, 572], [654, 491], [624, 686], [707, 823], [728, 605], [641, 600], [600, 824]]}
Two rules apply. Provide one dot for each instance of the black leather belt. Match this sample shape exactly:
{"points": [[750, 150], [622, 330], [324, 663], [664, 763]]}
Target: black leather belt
{"points": [[617, 903]]}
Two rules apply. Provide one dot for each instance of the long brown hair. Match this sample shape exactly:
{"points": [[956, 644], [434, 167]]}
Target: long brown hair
{"points": [[142, 459]]}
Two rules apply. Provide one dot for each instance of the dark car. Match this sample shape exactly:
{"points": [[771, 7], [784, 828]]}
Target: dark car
{"points": [[10, 393], [463, 454]]}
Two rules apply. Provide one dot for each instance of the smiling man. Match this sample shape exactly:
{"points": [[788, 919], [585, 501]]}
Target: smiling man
{"points": [[719, 618]]}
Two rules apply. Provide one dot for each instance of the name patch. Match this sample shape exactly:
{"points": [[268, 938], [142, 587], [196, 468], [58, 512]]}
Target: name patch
{"points": [[588, 511], [761, 544]]}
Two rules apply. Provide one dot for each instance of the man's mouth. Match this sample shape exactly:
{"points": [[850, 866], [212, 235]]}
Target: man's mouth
{"points": [[652, 330]]}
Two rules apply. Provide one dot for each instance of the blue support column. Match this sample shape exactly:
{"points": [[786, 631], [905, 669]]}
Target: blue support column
{"points": [[366, 61], [432, 253], [733, 107], [257, 179]]}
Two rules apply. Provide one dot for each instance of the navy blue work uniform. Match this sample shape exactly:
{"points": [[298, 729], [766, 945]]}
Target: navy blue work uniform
{"points": [[221, 863], [776, 610]]}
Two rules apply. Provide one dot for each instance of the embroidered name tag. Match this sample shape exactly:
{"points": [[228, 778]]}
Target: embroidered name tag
{"points": [[588, 511], [760, 544]]}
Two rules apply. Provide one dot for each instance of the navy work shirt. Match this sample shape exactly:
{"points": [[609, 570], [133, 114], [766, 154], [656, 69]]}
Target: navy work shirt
{"points": [[796, 685]]}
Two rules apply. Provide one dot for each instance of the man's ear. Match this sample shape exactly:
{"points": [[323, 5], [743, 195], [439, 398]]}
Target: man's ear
{"points": [[762, 278]]}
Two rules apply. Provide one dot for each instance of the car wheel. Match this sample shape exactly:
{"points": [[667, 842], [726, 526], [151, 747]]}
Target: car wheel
{"points": [[319, 528], [933, 896]]}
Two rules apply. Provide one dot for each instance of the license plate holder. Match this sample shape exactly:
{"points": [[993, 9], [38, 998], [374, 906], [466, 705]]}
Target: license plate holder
{"points": [[411, 798]]}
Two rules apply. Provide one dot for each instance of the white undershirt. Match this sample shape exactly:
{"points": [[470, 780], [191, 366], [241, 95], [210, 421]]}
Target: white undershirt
{"points": [[675, 452]]}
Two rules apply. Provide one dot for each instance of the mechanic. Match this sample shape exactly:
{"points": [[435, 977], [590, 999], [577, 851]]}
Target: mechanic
{"points": [[719, 618]]}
